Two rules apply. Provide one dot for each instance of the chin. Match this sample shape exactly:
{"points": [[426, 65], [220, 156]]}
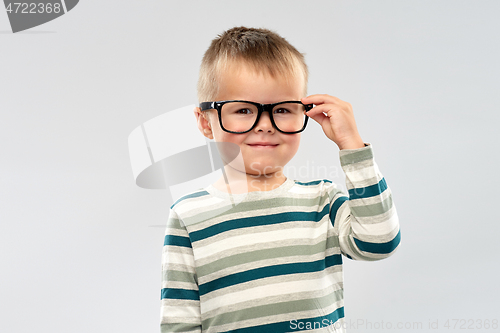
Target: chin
{"points": [[260, 169]]}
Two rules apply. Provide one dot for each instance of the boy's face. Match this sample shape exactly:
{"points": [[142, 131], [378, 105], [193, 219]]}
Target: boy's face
{"points": [[265, 150]]}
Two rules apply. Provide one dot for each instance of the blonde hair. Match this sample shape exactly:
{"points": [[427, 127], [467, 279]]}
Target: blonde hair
{"points": [[261, 49]]}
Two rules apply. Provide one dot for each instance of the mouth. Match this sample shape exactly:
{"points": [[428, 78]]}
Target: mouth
{"points": [[263, 145]]}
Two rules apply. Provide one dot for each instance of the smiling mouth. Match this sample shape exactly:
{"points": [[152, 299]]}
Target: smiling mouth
{"points": [[263, 145]]}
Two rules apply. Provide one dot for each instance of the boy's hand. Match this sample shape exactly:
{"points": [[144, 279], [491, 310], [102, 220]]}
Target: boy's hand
{"points": [[338, 123]]}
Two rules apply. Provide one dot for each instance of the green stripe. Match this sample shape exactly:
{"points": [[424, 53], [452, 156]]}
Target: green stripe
{"points": [[373, 210], [379, 248], [175, 293], [286, 326], [368, 191], [355, 156], [314, 182], [247, 207], [179, 327], [173, 275], [332, 242], [275, 309], [347, 255], [189, 196], [335, 208], [177, 241], [269, 271], [258, 255], [174, 223], [260, 220], [357, 253]]}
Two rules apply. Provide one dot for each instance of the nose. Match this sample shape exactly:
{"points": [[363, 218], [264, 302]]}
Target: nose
{"points": [[264, 124]]}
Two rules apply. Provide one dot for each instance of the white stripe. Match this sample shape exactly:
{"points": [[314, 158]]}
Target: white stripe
{"points": [[181, 311], [192, 206], [342, 222], [375, 229], [269, 246], [256, 238], [175, 232], [363, 174], [176, 258], [312, 190], [179, 285], [263, 263], [283, 317], [275, 289]]}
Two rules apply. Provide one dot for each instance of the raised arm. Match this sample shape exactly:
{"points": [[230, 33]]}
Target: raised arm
{"points": [[366, 220]]}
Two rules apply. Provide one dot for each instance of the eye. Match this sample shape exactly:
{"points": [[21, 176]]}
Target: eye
{"points": [[243, 111], [281, 110]]}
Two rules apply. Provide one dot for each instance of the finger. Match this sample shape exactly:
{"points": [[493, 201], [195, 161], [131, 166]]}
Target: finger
{"points": [[319, 99], [319, 118], [324, 108]]}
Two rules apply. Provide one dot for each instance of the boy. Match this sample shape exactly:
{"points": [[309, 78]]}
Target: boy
{"points": [[272, 262]]}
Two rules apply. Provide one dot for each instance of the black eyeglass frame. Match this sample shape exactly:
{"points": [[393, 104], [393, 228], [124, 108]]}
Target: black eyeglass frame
{"points": [[260, 107]]}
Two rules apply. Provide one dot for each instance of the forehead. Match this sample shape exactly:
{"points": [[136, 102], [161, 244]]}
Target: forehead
{"points": [[240, 80], [268, 70]]}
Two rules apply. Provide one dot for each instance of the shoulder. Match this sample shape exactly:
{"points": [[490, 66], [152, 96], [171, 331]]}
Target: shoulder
{"points": [[318, 185], [318, 188]]}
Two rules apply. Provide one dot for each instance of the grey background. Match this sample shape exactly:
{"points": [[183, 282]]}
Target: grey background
{"points": [[79, 250]]}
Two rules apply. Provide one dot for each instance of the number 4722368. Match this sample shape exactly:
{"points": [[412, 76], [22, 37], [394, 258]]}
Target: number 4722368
{"points": [[33, 8], [471, 324]]}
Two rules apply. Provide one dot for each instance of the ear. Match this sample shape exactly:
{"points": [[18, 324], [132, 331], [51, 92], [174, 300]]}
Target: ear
{"points": [[203, 123]]}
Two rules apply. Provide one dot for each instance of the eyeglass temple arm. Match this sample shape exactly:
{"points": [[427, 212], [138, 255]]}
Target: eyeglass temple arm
{"points": [[207, 106]]}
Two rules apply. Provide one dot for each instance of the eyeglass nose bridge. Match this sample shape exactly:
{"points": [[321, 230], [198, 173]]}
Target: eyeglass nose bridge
{"points": [[262, 108], [266, 107]]}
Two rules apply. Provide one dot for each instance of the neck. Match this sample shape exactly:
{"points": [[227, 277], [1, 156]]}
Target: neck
{"points": [[237, 182]]}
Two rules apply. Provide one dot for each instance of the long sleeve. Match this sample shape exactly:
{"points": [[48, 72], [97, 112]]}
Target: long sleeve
{"points": [[180, 301], [366, 219]]}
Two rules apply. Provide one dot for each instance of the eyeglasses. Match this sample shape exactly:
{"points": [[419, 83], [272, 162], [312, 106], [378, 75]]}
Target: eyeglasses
{"points": [[242, 116]]}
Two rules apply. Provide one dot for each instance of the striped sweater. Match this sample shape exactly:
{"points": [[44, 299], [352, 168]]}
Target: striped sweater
{"points": [[272, 262]]}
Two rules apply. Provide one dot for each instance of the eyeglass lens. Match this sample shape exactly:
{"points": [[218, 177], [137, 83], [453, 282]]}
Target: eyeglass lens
{"points": [[240, 116]]}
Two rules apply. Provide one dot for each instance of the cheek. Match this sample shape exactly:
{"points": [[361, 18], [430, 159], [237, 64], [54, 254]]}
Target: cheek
{"points": [[219, 134], [229, 146], [294, 143], [222, 136]]}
